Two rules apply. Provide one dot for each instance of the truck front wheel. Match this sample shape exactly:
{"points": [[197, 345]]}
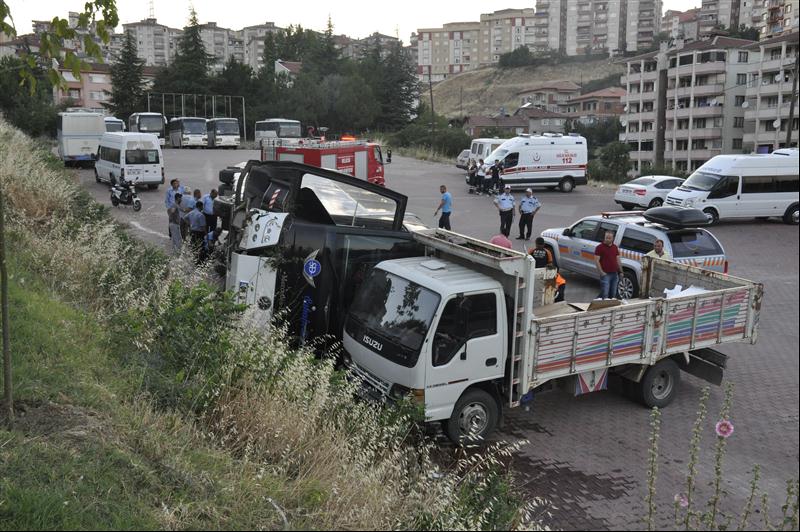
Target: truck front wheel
{"points": [[474, 417], [659, 385]]}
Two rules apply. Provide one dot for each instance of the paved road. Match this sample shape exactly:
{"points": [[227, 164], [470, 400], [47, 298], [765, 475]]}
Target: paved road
{"points": [[588, 454]]}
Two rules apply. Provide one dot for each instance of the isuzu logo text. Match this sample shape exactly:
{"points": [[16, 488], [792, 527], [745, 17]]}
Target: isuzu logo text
{"points": [[372, 343]]}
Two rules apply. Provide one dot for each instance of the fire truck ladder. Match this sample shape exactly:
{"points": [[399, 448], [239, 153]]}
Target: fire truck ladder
{"points": [[512, 263]]}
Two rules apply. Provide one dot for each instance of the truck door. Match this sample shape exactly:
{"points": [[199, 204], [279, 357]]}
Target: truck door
{"points": [[468, 346], [580, 246]]}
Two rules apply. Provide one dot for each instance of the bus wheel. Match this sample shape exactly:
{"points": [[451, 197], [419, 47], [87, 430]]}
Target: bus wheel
{"points": [[474, 417], [566, 185]]}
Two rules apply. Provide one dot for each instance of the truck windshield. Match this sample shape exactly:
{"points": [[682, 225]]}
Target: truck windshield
{"points": [[350, 205], [391, 316], [701, 181]]}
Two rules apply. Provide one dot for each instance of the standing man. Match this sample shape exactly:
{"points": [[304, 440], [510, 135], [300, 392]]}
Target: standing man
{"points": [[208, 209], [505, 205], [174, 188], [197, 227], [528, 207], [174, 215], [496, 176], [658, 251], [481, 177], [446, 206], [608, 262]]}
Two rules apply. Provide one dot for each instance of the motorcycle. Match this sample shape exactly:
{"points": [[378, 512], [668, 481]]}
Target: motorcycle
{"points": [[123, 192]]}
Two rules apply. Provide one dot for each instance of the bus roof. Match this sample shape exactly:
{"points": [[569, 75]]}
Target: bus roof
{"points": [[278, 120], [187, 118]]}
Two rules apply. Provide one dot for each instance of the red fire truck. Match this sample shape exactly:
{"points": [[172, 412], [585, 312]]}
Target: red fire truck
{"points": [[363, 160]]}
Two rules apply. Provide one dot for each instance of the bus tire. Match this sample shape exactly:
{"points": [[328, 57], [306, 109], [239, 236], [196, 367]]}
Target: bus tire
{"points": [[714, 215], [791, 215], [474, 417], [566, 185], [659, 384]]}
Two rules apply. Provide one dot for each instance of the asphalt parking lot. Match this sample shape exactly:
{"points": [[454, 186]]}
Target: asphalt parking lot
{"points": [[588, 454]]}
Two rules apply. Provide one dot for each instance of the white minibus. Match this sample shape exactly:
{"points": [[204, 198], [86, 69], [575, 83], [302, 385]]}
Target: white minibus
{"points": [[136, 157], [744, 186]]}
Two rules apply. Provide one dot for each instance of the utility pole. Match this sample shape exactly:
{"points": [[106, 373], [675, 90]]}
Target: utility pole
{"points": [[433, 114], [794, 98], [8, 397]]}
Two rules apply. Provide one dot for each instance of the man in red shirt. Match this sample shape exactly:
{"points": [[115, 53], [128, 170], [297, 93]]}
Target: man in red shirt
{"points": [[606, 257]]}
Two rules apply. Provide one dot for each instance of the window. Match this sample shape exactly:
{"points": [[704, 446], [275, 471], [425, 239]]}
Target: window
{"points": [[98, 78], [511, 160], [787, 183], [758, 185], [738, 101], [604, 227], [74, 93], [737, 144], [585, 229], [638, 241], [738, 121], [743, 57], [700, 123], [109, 154], [463, 318], [725, 188], [693, 242], [741, 79]]}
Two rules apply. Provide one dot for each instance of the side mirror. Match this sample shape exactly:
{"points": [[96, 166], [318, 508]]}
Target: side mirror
{"points": [[567, 232], [464, 352]]}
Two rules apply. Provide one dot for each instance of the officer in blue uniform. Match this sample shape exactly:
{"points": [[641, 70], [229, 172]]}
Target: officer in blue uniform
{"points": [[505, 205], [529, 205]]}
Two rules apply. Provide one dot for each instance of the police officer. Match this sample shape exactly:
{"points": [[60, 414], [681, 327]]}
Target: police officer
{"points": [[505, 205], [528, 207]]}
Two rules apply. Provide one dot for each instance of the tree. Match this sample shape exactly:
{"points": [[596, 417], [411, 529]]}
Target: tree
{"points": [[614, 157], [127, 84], [51, 47], [188, 73], [745, 32], [32, 111], [521, 56]]}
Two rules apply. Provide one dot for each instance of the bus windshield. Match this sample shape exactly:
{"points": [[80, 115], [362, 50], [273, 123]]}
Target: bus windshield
{"points": [[229, 127], [194, 127], [394, 314], [114, 126], [151, 123], [701, 181], [289, 130]]}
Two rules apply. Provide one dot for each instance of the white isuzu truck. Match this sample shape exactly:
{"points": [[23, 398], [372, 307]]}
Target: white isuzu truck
{"points": [[469, 328]]}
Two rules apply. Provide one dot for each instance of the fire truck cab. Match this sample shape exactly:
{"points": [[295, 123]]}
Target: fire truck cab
{"points": [[359, 159]]}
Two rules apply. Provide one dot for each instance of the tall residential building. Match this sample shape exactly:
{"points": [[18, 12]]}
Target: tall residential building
{"points": [[253, 41], [505, 31], [448, 50], [78, 44], [222, 43], [156, 43], [721, 14], [596, 26], [550, 25], [769, 94], [699, 105], [681, 24], [643, 18], [778, 17]]}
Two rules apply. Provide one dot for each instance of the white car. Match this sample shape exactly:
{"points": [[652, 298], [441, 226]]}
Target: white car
{"points": [[462, 161], [646, 191]]}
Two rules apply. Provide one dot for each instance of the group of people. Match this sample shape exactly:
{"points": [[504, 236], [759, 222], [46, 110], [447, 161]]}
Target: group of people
{"points": [[191, 217], [484, 180], [609, 264]]}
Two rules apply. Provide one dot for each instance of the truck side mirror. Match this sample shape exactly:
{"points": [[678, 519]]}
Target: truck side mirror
{"points": [[567, 232]]}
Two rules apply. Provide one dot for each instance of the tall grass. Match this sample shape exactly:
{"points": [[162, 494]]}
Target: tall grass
{"points": [[280, 411]]}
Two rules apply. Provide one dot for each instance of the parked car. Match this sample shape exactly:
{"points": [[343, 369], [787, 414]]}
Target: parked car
{"points": [[646, 191], [463, 159], [573, 247]]}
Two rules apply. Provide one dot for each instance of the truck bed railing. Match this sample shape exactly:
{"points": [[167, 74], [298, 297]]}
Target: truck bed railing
{"points": [[508, 261]]}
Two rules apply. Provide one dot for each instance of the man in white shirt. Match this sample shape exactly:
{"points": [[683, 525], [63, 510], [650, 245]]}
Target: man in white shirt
{"points": [[658, 251]]}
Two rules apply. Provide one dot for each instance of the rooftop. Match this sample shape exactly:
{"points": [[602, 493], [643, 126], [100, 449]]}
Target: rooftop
{"points": [[610, 92]]}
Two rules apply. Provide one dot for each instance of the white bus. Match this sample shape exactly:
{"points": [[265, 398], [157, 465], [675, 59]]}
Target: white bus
{"points": [[79, 135], [550, 160], [114, 125], [223, 133], [744, 186], [153, 123], [187, 131], [277, 128]]}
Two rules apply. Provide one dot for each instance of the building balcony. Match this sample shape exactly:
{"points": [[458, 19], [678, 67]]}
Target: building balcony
{"points": [[696, 90], [642, 155], [774, 65], [643, 136], [715, 110], [647, 116], [773, 89], [766, 112], [701, 133], [706, 154]]}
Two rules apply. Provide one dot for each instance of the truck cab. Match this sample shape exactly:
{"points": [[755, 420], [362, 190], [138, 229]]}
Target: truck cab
{"points": [[432, 328]]}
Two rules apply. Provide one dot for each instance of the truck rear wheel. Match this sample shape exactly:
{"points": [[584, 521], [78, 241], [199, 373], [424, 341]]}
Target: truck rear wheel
{"points": [[660, 384], [474, 417]]}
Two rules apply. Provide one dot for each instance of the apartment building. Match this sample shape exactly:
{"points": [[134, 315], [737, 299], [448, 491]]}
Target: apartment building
{"points": [[769, 94], [221, 43], [549, 95], [777, 17], [448, 50], [550, 26], [156, 43], [504, 31], [682, 24], [719, 13], [643, 18], [93, 88], [702, 113], [594, 106], [595, 26], [253, 42]]}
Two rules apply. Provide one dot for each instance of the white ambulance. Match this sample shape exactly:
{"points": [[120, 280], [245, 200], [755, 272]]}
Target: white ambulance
{"points": [[548, 160]]}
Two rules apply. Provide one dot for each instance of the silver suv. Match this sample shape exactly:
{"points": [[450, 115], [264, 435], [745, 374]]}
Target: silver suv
{"points": [[573, 247]]}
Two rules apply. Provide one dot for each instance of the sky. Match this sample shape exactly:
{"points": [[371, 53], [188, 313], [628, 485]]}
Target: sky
{"points": [[355, 19]]}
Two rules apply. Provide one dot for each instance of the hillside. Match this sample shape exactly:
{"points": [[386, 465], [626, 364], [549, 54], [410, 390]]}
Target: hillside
{"points": [[489, 88]]}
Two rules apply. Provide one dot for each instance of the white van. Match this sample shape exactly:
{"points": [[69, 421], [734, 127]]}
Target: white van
{"points": [[550, 160], [481, 148], [744, 186], [134, 156], [79, 136]]}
